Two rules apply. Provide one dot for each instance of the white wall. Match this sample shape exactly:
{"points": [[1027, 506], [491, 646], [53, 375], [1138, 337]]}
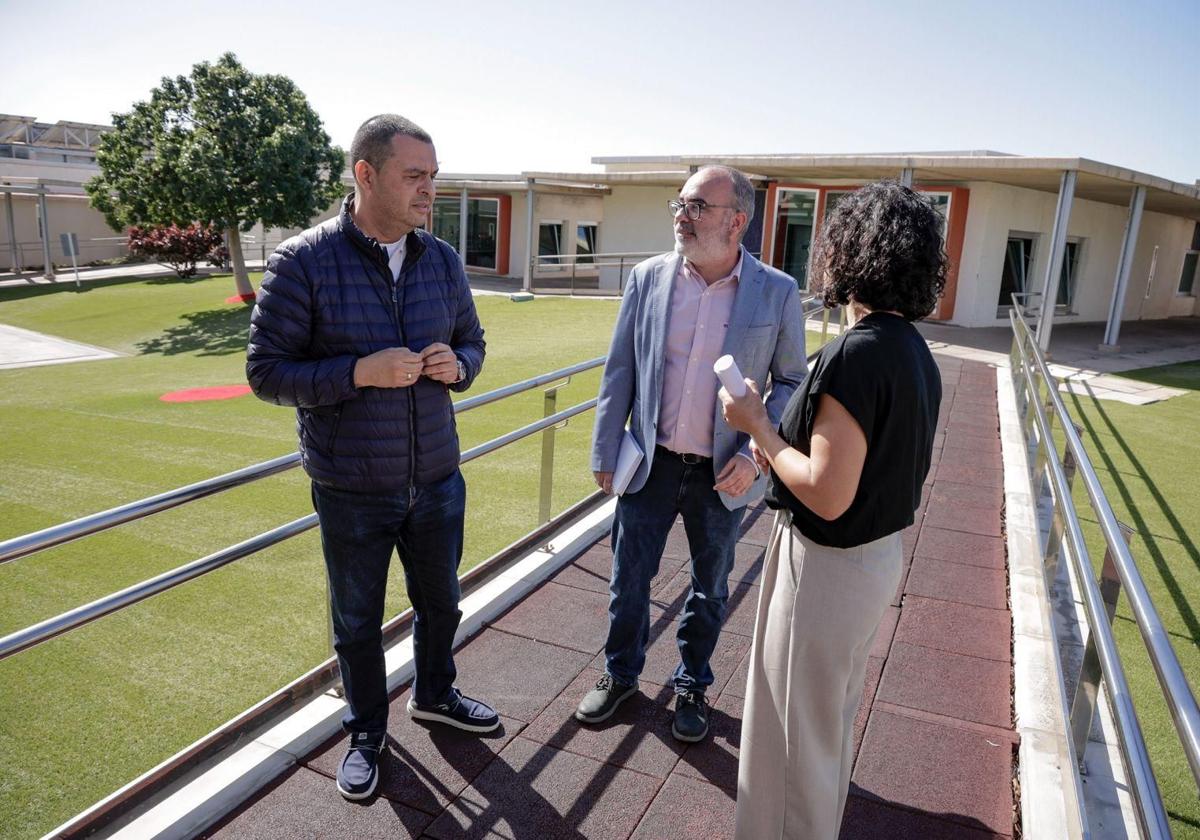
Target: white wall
{"points": [[637, 219], [1173, 236], [568, 210], [65, 214], [996, 210]]}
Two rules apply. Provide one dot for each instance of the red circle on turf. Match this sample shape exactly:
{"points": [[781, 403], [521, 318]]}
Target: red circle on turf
{"points": [[249, 298], [218, 392]]}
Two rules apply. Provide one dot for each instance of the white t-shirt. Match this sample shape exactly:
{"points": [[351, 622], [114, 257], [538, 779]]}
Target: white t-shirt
{"points": [[395, 252]]}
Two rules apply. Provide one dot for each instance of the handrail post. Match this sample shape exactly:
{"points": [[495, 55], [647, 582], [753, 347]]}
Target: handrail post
{"points": [[824, 325], [1054, 543], [546, 482], [1087, 689]]}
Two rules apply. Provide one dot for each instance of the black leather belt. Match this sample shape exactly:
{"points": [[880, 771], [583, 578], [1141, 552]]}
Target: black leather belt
{"points": [[689, 458]]}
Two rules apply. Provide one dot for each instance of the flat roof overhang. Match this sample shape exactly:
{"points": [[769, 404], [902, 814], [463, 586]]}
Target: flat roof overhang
{"points": [[607, 180], [50, 187], [520, 186], [1095, 181]]}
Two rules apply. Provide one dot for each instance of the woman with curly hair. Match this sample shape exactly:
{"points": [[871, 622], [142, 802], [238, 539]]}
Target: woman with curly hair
{"points": [[847, 464]]}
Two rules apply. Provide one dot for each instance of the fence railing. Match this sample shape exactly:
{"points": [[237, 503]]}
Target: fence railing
{"points": [[586, 273], [1053, 475], [27, 544]]}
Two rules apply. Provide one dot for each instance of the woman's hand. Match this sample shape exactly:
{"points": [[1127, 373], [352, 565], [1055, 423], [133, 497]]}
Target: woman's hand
{"points": [[747, 412], [760, 457]]}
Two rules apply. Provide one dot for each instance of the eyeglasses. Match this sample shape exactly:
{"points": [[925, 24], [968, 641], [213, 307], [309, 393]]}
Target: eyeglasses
{"points": [[693, 209]]}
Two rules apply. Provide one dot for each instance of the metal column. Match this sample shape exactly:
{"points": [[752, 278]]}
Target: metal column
{"points": [[462, 226], [44, 218], [1128, 246], [527, 282], [12, 234], [906, 177], [1058, 249]]}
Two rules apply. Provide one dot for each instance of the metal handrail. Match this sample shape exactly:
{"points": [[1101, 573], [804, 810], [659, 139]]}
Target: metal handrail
{"points": [[23, 546], [1172, 681], [42, 631]]}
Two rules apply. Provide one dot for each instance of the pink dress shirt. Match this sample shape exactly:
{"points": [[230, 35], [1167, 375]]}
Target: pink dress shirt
{"points": [[696, 327]]}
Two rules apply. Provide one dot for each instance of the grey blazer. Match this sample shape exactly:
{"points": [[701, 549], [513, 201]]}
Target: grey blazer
{"points": [[765, 335]]}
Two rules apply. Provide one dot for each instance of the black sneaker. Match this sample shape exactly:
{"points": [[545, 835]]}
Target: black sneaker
{"points": [[599, 703], [459, 711], [358, 773], [691, 717]]}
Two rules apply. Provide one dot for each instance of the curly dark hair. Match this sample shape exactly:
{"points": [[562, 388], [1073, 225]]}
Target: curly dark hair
{"points": [[882, 247]]}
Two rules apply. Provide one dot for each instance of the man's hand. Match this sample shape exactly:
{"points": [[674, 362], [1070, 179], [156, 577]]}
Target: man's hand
{"points": [[736, 477], [604, 481], [395, 367], [760, 457], [440, 363]]}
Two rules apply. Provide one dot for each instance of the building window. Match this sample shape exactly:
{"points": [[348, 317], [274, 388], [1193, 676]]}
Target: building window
{"points": [[445, 222], [550, 241], [1018, 265], [1016, 275], [585, 242], [483, 217], [1070, 273], [1187, 278], [832, 199], [794, 233]]}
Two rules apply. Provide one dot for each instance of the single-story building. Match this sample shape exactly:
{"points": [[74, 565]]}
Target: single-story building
{"points": [[1112, 243]]}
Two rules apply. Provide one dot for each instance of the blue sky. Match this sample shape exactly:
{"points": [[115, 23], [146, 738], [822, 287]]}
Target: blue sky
{"points": [[505, 87]]}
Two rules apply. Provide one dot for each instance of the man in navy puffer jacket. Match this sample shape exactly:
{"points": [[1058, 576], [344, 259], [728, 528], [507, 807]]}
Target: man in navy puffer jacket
{"points": [[365, 323]]}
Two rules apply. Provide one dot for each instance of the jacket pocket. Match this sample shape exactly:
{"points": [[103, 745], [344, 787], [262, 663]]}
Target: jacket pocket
{"points": [[319, 428], [333, 432]]}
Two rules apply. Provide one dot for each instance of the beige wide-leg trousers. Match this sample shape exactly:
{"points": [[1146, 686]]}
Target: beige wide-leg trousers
{"points": [[818, 610]]}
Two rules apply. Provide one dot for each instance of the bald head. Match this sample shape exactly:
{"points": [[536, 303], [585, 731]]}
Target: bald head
{"points": [[741, 191]]}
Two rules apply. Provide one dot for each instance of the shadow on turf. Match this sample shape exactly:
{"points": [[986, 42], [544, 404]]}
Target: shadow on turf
{"points": [[1181, 599], [213, 332]]}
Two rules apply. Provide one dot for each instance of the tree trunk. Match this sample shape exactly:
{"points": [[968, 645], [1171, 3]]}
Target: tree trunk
{"points": [[240, 277]]}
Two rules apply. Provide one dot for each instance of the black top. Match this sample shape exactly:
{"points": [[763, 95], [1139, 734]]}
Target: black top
{"points": [[883, 374]]}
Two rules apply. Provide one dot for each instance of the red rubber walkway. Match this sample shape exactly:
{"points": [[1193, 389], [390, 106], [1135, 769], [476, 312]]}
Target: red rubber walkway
{"points": [[934, 738]]}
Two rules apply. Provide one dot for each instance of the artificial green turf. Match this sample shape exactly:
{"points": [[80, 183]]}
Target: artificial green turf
{"points": [[87, 712], [1148, 461]]}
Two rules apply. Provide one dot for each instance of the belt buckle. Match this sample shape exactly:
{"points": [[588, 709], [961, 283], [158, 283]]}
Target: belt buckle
{"points": [[691, 458]]}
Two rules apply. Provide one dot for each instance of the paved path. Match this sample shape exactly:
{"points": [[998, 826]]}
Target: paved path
{"points": [[26, 348], [934, 737]]}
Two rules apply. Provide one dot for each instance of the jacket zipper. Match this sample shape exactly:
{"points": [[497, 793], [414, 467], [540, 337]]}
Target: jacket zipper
{"points": [[412, 401]]}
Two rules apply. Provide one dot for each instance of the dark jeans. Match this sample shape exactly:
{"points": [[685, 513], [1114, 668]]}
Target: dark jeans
{"points": [[639, 535], [359, 532]]}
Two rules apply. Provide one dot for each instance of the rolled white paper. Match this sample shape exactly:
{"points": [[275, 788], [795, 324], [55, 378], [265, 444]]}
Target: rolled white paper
{"points": [[727, 371]]}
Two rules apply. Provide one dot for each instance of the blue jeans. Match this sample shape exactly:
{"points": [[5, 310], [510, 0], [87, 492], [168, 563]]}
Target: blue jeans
{"points": [[639, 534], [359, 532]]}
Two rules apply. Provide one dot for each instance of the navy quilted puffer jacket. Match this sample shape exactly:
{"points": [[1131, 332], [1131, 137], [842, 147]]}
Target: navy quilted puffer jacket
{"points": [[328, 299]]}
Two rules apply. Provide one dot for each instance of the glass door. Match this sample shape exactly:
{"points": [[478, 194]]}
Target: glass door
{"points": [[794, 233]]}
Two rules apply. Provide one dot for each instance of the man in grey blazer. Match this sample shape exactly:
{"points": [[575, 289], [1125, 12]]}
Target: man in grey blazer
{"points": [[680, 312]]}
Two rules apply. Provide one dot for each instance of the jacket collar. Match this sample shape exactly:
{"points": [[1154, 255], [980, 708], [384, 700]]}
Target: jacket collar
{"points": [[414, 244]]}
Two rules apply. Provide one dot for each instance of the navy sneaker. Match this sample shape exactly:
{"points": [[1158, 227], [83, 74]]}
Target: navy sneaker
{"points": [[691, 717], [459, 711], [358, 774]]}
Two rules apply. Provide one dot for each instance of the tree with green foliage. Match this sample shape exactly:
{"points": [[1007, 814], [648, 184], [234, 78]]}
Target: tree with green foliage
{"points": [[222, 147]]}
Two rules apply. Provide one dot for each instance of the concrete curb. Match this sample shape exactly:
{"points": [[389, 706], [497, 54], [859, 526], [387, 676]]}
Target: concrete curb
{"points": [[1051, 797], [212, 791]]}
